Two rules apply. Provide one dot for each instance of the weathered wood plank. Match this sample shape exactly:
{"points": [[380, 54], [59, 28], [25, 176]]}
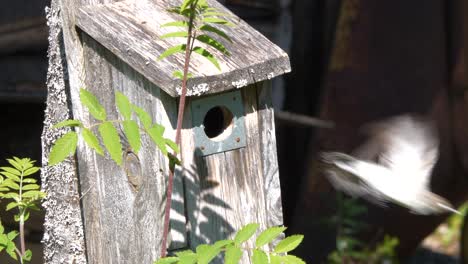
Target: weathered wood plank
{"points": [[131, 30], [63, 228], [224, 190], [269, 159], [124, 216], [123, 221], [123, 213]]}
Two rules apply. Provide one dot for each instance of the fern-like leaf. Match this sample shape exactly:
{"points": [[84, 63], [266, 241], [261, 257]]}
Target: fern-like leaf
{"points": [[172, 50], [209, 28], [213, 43]]}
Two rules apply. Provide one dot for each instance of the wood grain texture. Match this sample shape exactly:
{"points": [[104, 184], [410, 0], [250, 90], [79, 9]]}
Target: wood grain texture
{"points": [[123, 221], [268, 153], [228, 190], [132, 29], [123, 213]]}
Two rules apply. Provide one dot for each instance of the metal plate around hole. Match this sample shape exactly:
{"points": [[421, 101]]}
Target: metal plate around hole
{"points": [[237, 139]]}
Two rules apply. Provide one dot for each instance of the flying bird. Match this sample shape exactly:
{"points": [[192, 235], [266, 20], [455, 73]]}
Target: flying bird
{"points": [[394, 165]]}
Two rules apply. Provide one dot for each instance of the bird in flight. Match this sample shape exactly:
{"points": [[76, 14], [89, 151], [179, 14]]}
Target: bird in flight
{"points": [[394, 165]]}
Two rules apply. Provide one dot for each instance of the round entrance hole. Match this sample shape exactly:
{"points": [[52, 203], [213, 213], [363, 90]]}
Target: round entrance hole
{"points": [[218, 123]]}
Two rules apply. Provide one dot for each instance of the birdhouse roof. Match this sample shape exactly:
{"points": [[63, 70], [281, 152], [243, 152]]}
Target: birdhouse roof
{"points": [[132, 31]]}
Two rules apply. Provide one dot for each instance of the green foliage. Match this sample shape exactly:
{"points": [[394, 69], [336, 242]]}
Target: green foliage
{"points": [[448, 233], [352, 250], [17, 185], [92, 103], [245, 233], [108, 134], [200, 23], [111, 140], [234, 249], [63, 147]]}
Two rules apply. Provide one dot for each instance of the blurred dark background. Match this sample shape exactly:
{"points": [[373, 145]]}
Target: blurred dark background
{"points": [[353, 62]]}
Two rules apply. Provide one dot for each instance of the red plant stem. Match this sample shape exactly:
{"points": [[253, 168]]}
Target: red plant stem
{"points": [[180, 118]]}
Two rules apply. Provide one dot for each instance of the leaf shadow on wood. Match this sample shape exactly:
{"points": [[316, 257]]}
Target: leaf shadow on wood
{"points": [[203, 209]]}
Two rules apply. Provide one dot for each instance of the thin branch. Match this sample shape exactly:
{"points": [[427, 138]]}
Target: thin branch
{"points": [[180, 117], [302, 120]]}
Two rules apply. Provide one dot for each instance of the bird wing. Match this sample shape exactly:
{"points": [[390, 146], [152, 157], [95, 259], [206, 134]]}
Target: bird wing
{"points": [[342, 174], [410, 148]]}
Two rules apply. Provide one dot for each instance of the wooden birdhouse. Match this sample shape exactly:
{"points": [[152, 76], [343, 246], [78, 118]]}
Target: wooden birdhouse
{"points": [[229, 176]]}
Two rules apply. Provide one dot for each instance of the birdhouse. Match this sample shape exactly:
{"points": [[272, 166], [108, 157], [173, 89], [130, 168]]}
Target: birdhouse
{"points": [[229, 176]]}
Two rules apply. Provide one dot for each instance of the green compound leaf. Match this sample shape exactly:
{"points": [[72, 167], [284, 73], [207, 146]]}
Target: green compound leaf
{"points": [[11, 206], [274, 259], [186, 4], [178, 34], [269, 235], [172, 50], [187, 257], [207, 56], [216, 20], [33, 194], [233, 255], [290, 259], [206, 253], [132, 132], [213, 43], [31, 171], [31, 187], [92, 141], [29, 180], [25, 162], [11, 195], [156, 134], [172, 145], [15, 164], [245, 233], [208, 28], [12, 235], [10, 249], [63, 147], [11, 170], [10, 184], [215, 14], [223, 243], [176, 24], [27, 255], [289, 243], [144, 117], [167, 260], [123, 104], [11, 176], [259, 257], [68, 123], [110, 138], [92, 103]]}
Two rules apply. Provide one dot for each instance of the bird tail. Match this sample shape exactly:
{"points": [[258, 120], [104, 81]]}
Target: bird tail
{"points": [[432, 203]]}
